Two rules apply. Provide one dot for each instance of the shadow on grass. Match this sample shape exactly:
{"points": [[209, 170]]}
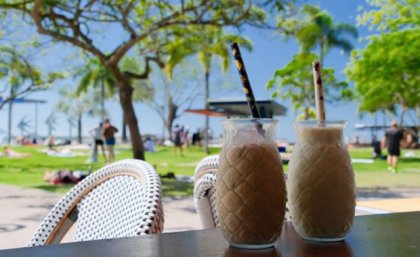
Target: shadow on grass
{"points": [[409, 160], [173, 188], [377, 192], [55, 188]]}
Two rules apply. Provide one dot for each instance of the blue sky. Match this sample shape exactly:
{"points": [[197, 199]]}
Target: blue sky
{"points": [[270, 53]]}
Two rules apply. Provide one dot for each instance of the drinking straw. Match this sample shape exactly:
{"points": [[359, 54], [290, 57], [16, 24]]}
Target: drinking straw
{"points": [[245, 81], [319, 95]]}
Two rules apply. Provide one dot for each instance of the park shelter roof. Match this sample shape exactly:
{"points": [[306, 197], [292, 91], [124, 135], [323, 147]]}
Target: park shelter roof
{"points": [[207, 112], [239, 107], [370, 127], [25, 101]]}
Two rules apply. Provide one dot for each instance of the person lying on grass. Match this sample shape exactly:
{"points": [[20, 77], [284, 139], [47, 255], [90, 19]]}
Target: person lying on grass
{"points": [[12, 154]]}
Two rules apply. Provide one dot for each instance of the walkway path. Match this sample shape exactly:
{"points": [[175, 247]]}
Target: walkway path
{"points": [[22, 209]]}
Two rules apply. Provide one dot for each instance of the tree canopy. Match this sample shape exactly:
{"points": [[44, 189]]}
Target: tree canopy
{"points": [[295, 82], [386, 71], [20, 77], [313, 27], [208, 43], [144, 28], [391, 15]]}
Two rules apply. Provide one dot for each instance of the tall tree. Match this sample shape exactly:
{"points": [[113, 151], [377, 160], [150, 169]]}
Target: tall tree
{"points": [[95, 75], [208, 43], [20, 79], [295, 82], [20, 76], [313, 27], [178, 93], [148, 26], [386, 71]]}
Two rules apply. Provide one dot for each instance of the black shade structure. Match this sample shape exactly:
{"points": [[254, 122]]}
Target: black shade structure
{"points": [[238, 107]]}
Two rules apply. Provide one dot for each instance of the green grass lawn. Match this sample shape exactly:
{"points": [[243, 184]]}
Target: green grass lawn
{"points": [[28, 172], [376, 175]]}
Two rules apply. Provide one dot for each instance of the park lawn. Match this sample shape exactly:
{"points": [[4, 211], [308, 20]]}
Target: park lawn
{"points": [[28, 172], [376, 175]]}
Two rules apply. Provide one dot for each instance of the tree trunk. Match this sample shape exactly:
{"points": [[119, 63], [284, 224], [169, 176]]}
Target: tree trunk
{"points": [[321, 52], [206, 99], [306, 113], [126, 101], [79, 128], [172, 110], [402, 116], [102, 102], [169, 129], [9, 132], [124, 130], [70, 131]]}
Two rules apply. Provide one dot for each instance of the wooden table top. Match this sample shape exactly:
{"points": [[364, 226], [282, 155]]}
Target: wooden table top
{"points": [[396, 234]]}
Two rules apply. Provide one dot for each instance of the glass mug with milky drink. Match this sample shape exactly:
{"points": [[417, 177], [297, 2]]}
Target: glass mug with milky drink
{"points": [[320, 183], [250, 186]]}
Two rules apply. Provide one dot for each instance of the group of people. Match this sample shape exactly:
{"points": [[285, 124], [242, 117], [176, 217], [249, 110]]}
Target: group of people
{"points": [[180, 138], [103, 134]]}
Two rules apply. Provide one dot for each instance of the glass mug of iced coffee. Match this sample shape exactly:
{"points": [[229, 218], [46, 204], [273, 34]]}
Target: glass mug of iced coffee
{"points": [[320, 183], [250, 186]]}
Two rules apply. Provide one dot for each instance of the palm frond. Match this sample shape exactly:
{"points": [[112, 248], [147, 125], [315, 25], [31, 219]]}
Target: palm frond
{"points": [[342, 28], [84, 84], [342, 43]]}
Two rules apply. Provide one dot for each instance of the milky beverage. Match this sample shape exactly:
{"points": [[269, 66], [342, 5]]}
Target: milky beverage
{"points": [[250, 193], [321, 186]]}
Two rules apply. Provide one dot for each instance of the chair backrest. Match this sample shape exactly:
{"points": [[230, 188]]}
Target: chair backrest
{"points": [[120, 200], [205, 192]]}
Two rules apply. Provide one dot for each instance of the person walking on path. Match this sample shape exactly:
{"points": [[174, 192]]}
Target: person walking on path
{"points": [[109, 135], [392, 140], [96, 134]]}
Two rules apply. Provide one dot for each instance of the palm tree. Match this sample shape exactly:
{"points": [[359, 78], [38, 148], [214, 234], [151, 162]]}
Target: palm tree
{"points": [[95, 75], [210, 42], [21, 79], [317, 29]]}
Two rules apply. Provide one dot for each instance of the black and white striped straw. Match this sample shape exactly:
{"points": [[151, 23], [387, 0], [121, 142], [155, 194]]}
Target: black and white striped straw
{"points": [[245, 81]]}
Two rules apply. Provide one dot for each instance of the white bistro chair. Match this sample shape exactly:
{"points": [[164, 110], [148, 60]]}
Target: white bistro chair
{"points": [[121, 199]]}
